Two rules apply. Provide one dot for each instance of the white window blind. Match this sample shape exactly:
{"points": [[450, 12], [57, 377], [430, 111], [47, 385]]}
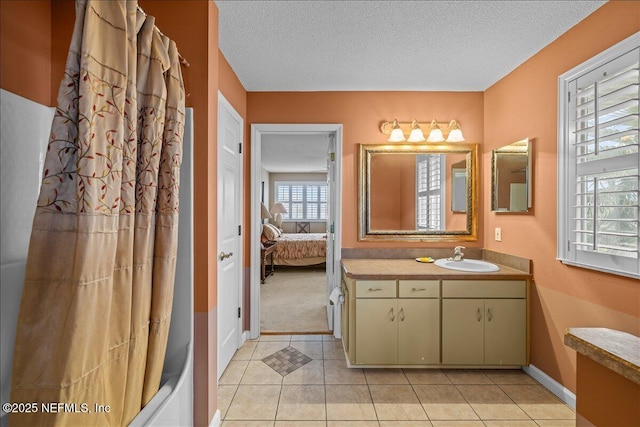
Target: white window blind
{"points": [[599, 212], [429, 189], [304, 201]]}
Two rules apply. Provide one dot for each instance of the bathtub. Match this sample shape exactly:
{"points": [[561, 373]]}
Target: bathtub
{"points": [[11, 278], [24, 130]]}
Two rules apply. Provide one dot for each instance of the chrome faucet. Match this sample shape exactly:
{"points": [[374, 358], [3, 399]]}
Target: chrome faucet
{"points": [[458, 255]]}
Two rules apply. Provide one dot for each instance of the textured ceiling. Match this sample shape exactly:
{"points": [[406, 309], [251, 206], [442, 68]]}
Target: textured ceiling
{"points": [[317, 45]]}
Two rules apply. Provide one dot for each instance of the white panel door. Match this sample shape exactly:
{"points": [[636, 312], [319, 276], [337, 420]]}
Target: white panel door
{"points": [[229, 255]]}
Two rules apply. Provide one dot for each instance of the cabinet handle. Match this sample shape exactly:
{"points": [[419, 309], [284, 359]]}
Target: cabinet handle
{"points": [[374, 289], [418, 289], [489, 314], [479, 313], [224, 256], [401, 314], [393, 316]]}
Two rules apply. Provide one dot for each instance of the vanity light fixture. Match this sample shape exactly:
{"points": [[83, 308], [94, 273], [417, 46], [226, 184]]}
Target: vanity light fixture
{"points": [[396, 134], [455, 133], [437, 131], [416, 134]]}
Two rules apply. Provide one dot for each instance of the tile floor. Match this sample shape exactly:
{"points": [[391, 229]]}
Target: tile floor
{"points": [[323, 392]]}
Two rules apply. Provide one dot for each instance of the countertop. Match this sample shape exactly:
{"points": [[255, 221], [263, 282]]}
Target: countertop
{"points": [[618, 351], [410, 269]]}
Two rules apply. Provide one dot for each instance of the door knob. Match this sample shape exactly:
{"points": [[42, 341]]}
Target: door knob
{"points": [[224, 256]]}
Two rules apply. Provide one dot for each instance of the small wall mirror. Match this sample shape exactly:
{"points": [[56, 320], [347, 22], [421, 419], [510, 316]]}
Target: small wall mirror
{"points": [[511, 181], [418, 192]]}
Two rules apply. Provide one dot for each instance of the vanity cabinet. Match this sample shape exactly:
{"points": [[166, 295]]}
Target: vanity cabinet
{"points": [[484, 322], [397, 322], [433, 319]]}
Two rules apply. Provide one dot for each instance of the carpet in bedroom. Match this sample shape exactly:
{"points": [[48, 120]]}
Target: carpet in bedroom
{"points": [[292, 300]]}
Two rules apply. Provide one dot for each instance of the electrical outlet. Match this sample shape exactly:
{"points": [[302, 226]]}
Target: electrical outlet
{"points": [[498, 235]]}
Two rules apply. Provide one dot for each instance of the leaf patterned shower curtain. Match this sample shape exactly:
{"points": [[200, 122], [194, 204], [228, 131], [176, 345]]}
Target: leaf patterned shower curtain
{"points": [[98, 291]]}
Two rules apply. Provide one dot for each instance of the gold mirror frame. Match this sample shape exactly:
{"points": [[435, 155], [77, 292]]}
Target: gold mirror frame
{"points": [[515, 168], [470, 234]]}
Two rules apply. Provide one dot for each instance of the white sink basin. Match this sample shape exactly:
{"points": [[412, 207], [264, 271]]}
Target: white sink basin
{"points": [[471, 265]]}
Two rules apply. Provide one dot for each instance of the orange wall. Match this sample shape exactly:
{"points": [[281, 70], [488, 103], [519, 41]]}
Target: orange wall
{"points": [[25, 49], [524, 104], [63, 13], [361, 114], [231, 87]]}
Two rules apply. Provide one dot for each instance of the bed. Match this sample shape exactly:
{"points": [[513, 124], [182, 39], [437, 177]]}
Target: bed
{"points": [[296, 249]]}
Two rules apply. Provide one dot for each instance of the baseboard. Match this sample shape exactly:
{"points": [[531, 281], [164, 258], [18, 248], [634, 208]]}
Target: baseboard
{"points": [[216, 421], [552, 385], [296, 333]]}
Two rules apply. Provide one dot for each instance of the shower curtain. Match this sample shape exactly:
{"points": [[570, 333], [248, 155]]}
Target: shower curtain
{"points": [[95, 310]]}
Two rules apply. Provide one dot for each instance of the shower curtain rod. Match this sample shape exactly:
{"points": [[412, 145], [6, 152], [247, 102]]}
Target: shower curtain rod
{"points": [[181, 58]]}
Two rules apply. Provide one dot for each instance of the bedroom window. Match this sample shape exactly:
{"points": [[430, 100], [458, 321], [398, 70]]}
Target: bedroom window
{"points": [[429, 192], [598, 159], [304, 201]]}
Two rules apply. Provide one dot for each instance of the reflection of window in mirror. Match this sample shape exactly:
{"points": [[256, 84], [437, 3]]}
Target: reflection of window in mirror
{"points": [[459, 187], [430, 192]]}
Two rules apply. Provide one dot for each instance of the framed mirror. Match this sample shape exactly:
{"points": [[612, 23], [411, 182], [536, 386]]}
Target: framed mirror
{"points": [[511, 180], [418, 192]]}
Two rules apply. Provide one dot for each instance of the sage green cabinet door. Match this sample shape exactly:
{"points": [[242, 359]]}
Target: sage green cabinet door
{"points": [[463, 331], [418, 331], [505, 333], [376, 333]]}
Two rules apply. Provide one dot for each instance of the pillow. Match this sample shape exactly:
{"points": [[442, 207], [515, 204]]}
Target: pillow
{"points": [[278, 231], [270, 232]]}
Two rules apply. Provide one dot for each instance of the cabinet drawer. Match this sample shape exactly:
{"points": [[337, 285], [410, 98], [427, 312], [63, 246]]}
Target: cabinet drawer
{"points": [[419, 288], [375, 289], [484, 289]]}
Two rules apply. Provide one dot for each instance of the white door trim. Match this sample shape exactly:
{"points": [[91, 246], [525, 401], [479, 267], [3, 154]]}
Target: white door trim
{"points": [[224, 103], [257, 130]]}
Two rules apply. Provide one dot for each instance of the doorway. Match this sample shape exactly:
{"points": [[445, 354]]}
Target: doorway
{"points": [[259, 134]]}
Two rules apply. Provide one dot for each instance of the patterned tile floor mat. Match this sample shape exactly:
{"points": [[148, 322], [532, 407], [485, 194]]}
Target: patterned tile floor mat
{"points": [[286, 360]]}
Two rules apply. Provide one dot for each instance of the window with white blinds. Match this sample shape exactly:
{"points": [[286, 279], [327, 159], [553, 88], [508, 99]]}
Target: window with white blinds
{"points": [[430, 192], [598, 159], [304, 201]]}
